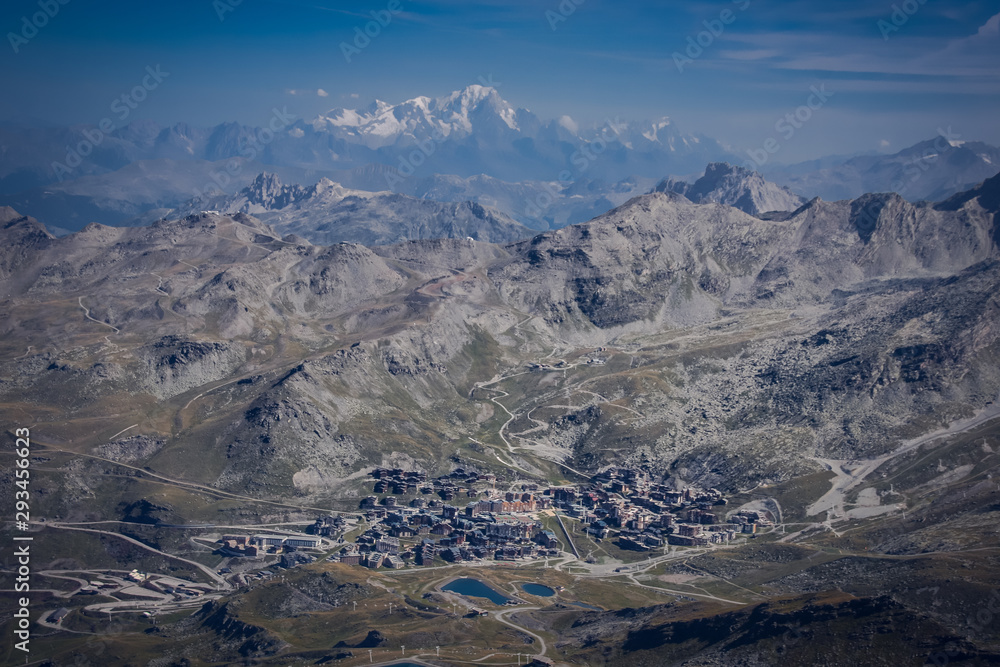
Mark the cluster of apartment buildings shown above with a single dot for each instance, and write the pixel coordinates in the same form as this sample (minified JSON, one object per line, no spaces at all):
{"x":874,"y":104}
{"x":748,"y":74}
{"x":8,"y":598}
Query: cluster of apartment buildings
{"x":620,"y":503}
{"x":626,"y":504}
{"x":490,"y":525}
{"x":257,"y":546}
{"x":402,"y":482}
{"x":445,"y":531}
{"x":328,"y":526}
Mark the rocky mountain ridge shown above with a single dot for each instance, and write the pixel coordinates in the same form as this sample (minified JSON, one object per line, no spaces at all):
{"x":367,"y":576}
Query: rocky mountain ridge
{"x":830,"y":326}
{"x":932,"y":170}
{"x":327,"y":213}
{"x":734,"y":186}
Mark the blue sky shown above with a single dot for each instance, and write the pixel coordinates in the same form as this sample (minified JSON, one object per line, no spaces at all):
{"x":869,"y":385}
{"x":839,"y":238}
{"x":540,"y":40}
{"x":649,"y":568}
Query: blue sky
{"x":933,"y":64}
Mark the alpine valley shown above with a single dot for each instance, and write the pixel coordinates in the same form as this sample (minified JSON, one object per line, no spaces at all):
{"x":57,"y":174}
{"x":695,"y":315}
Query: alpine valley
{"x":723,"y":422}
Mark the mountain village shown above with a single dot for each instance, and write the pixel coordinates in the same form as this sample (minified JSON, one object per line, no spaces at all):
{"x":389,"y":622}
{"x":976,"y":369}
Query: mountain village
{"x":623,"y":505}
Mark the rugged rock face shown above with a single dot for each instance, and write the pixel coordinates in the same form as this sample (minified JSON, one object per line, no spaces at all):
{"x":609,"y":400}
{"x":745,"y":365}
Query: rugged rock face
{"x":236,"y":637}
{"x":661,"y":258}
{"x":884,"y":355}
{"x":374,"y":639}
{"x":984,"y":197}
{"x":749,"y":345}
{"x":267,"y":193}
{"x":26,"y":235}
{"x":296,"y":420}
{"x":143,"y":511}
{"x":131,"y":449}
{"x":328,"y":213}
{"x":176,"y":365}
{"x":734,"y":186}
{"x":645,"y":261}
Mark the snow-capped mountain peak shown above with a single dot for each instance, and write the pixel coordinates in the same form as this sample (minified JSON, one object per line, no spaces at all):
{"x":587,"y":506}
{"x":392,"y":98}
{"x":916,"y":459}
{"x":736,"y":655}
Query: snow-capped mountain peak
{"x":653,"y":132}
{"x":454,"y":115}
{"x":462,"y":103}
{"x":468,"y":97}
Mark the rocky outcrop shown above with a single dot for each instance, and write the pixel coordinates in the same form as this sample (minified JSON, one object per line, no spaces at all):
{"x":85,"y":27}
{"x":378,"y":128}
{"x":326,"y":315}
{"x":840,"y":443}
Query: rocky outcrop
{"x":132,"y":449}
{"x":734,"y":186}
{"x":174,"y":365}
{"x":235,"y":636}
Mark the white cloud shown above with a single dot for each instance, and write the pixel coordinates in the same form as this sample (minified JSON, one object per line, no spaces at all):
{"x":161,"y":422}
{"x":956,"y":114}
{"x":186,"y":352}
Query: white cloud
{"x":964,"y":62}
{"x":984,"y":44}
{"x":300,"y":91}
{"x":569,"y":124}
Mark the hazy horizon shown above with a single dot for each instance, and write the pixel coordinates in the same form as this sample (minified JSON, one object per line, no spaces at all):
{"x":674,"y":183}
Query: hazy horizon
{"x":727,"y":70}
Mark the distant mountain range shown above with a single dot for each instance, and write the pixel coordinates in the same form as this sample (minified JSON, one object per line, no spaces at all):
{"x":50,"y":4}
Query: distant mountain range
{"x":475,"y":131}
{"x":328,"y":213}
{"x":931,"y":170}
{"x":470,"y":145}
{"x":469,"y":132}
{"x":537,"y":204}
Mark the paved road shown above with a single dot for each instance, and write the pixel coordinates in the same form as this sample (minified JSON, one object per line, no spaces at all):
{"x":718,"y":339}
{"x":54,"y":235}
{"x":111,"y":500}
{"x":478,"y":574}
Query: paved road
{"x":207,"y":570}
{"x":501,"y":616}
{"x":188,"y":485}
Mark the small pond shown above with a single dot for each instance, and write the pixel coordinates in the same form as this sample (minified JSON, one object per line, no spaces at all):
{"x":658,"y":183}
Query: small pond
{"x":586,"y":606}
{"x":538,"y":589}
{"x":475,"y":588}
